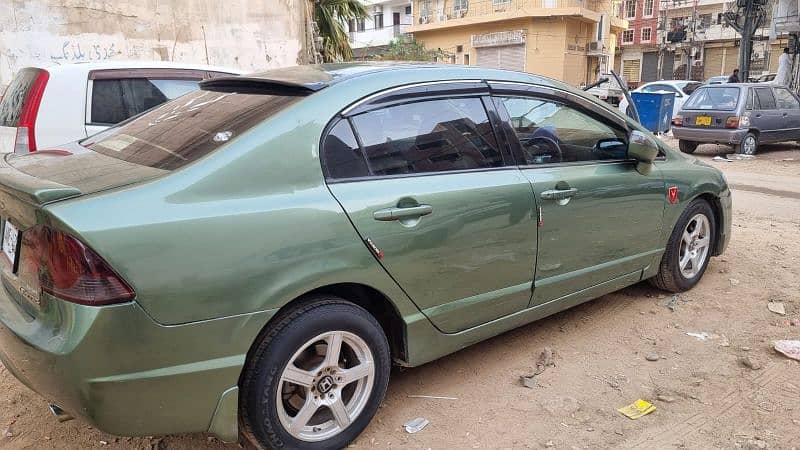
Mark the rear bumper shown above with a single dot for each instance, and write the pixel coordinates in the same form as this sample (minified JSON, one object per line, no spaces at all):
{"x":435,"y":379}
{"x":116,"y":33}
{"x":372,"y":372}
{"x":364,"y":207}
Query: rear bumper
{"x":716,"y":136}
{"x":124,"y":373}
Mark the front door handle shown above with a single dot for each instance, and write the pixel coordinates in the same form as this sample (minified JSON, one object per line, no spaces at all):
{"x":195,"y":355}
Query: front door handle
{"x":400,"y":213}
{"x":558,"y":194}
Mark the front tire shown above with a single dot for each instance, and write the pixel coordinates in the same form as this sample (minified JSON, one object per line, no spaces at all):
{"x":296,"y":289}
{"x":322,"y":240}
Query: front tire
{"x":748,"y":145}
{"x":316,"y":378}
{"x":688,"y":250}
{"x":687,"y":146}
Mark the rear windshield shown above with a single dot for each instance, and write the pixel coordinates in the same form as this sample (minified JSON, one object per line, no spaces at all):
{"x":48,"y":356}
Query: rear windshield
{"x":14,"y":98}
{"x":185,"y":129}
{"x":714,"y":98}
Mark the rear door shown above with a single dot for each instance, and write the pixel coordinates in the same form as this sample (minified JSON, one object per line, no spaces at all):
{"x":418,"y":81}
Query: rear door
{"x":766,"y":117}
{"x":598,"y":217}
{"x":117,"y":94}
{"x":430,"y":190}
{"x":789,"y":106}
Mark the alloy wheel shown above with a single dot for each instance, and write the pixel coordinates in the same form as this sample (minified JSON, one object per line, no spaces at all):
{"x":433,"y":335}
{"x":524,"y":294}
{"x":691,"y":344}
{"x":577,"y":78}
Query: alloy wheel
{"x":749,"y":145}
{"x":695,"y":244}
{"x":325,"y":386}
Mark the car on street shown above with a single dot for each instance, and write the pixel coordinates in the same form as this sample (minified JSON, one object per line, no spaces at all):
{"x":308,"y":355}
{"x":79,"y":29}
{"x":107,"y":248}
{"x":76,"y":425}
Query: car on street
{"x":681,"y":88}
{"x":610,"y":91}
{"x":720,"y":79}
{"x":766,"y":78}
{"x":741,"y":115}
{"x":49,"y":106}
{"x":250,"y":259}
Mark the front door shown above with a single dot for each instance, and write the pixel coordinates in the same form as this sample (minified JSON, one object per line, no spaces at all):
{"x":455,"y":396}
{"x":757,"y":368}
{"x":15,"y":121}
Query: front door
{"x":600,"y":219}
{"x":444,"y":214}
{"x":396,"y":19}
{"x":789,"y":106}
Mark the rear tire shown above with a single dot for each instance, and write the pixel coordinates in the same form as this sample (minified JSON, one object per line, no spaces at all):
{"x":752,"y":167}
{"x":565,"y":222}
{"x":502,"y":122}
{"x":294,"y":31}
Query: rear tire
{"x":687,"y":146}
{"x":316,"y":377}
{"x":748,"y":145}
{"x":688,"y":250}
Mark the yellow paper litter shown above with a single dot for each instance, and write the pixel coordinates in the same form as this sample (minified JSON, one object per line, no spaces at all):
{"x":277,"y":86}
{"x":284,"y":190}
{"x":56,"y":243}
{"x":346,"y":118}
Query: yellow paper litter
{"x":637,"y":409}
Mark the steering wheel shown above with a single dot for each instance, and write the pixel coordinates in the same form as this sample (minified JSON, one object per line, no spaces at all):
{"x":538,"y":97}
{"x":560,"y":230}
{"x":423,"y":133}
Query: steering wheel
{"x":538,"y":147}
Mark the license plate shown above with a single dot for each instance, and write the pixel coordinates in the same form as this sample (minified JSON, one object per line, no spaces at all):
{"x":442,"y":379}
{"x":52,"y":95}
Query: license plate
{"x":703,"y":120}
{"x":10,"y":242}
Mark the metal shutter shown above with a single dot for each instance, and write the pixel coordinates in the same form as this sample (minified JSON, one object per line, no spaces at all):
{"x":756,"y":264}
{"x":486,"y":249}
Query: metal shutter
{"x":667,"y":65}
{"x":712,"y":62}
{"x":509,"y":57}
{"x":650,"y":66}
{"x":630,"y":70}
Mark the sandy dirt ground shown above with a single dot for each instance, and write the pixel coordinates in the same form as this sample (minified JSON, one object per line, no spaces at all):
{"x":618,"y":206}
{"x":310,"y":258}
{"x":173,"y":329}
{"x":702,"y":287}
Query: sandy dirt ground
{"x":728,"y":391}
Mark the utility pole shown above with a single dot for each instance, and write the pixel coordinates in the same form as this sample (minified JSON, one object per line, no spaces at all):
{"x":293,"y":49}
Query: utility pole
{"x":746,"y":20}
{"x":692,"y":27}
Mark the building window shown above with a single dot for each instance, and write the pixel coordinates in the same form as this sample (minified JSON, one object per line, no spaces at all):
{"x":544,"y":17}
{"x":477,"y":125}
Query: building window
{"x":460,"y":5}
{"x":351,"y":25}
{"x":630,"y":9}
{"x":425,"y":8}
{"x":705,"y":20}
{"x":408,"y":10}
{"x":466,"y":59}
{"x":361,"y":25}
{"x":377,"y":19}
{"x":500,"y":2}
{"x":647,"y":34}
{"x":627,"y":37}
{"x":678,"y":23}
{"x":648,"y":8}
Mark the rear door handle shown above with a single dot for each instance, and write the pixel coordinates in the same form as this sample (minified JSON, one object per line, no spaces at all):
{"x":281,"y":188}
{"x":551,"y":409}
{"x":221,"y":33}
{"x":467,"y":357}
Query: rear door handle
{"x":398,"y":213}
{"x":558,"y":194}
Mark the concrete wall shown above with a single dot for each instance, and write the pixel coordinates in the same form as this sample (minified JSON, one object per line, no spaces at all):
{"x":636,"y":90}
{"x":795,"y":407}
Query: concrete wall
{"x":244,"y":34}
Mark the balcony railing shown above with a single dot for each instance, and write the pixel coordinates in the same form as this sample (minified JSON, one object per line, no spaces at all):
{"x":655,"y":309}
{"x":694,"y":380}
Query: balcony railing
{"x":427,"y":12}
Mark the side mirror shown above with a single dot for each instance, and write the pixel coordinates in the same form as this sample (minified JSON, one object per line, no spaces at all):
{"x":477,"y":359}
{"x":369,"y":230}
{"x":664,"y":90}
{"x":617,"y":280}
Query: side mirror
{"x":643,"y":149}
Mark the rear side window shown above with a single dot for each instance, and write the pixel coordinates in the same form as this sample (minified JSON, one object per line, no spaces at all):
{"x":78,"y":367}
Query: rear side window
{"x":428,"y":136}
{"x":714,"y":98}
{"x":764,"y":98}
{"x":14,"y":97}
{"x":785,"y":99}
{"x":343,"y":158}
{"x":114,"y":100}
{"x":183,"y":130}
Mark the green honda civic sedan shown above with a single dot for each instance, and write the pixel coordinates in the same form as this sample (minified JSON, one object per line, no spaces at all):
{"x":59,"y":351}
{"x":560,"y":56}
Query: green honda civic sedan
{"x":250,"y":259}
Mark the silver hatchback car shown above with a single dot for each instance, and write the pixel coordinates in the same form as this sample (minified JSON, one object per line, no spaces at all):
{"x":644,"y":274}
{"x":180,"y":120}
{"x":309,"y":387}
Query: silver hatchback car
{"x":738,"y":114}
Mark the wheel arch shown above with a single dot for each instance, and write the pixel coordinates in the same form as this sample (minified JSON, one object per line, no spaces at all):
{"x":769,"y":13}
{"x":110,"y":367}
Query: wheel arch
{"x":716,"y":206}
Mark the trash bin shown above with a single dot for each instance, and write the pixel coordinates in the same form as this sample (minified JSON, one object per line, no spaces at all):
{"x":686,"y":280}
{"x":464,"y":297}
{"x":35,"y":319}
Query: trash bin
{"x":655,"y":109}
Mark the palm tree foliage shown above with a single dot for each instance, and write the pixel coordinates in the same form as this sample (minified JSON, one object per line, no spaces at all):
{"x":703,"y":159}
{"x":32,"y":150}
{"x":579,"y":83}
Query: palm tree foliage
{"x":331,"y":15}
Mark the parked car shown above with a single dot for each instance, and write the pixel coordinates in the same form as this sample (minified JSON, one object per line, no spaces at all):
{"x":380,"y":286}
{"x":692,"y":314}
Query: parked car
{"x":722,"y":79}
{"x":252,"y":257}
{"x":681,"y":88}
{"x":738,"y":114}
{"x":610,"y":91}
{"x":48,"y":106}
{"x":767,"y":77}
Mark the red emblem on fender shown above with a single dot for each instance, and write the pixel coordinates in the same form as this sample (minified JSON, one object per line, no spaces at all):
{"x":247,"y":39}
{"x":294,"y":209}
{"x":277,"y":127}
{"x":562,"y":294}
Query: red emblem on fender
{"x":672,"y":194}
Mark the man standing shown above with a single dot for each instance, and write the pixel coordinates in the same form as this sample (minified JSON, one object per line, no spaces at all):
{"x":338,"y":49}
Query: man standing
{"x":735,"y":77}
{"x":784,"y":75}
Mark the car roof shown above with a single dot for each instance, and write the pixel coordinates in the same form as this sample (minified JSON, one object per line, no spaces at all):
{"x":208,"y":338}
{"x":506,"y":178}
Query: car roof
{"x":87,"y":67}
{"x":316,"y":77}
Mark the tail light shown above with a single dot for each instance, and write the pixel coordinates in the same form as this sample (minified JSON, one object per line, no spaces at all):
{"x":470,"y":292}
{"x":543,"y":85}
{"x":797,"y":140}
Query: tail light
{"x":737,"y":121}
{"x":26,"y":140}
{"x":55,"y":262}
{"x":677,"y":121}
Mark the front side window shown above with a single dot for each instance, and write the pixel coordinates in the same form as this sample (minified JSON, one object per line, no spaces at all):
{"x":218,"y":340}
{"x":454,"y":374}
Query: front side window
{"x":428,"y":136}
{"x":714,"y":98}
{"x":764,"y":98}
{"x":551,"y":132}
{"x":114,"y":100}
{"x":785,"y":99}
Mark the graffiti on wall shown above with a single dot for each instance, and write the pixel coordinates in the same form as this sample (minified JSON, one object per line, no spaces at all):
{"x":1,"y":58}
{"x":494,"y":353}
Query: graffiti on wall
{"x":72,"y":51}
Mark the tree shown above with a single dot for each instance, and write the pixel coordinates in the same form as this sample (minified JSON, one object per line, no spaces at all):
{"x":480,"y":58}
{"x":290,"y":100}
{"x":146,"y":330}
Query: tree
{"x":331,"y":15}
{"x":407,"y":49}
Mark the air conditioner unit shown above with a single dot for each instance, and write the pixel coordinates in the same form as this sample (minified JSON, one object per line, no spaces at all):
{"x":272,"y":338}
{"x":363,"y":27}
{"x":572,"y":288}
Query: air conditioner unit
{"x":596,"y":46}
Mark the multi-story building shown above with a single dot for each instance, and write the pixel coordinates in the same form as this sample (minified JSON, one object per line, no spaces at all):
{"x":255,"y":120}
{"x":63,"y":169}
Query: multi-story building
{"x":638,"y":56}
{"x":570,"y":40}
{"x":388,"y":19}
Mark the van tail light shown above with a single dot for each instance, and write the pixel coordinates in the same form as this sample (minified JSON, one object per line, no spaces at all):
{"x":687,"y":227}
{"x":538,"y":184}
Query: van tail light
{"x":26,"y":139}
{"x":55,"y":262}
{"x":737,"y":121}
{"x":677,"y":121}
